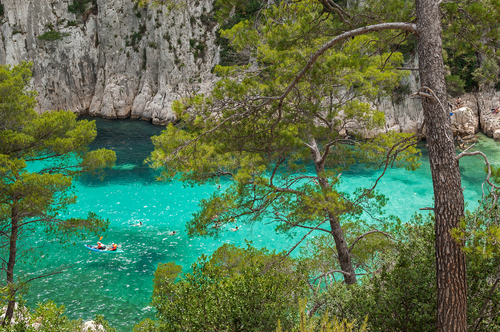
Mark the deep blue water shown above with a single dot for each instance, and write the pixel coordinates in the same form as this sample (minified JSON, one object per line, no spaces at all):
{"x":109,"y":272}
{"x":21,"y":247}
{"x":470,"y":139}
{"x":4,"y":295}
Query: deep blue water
{"x":119,"y":286}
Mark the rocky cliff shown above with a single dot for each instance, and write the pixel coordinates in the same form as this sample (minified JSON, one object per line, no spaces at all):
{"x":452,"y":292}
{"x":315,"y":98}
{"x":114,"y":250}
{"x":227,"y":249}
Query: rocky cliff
{"x":113,"y":59}
{"x":116,"y":60}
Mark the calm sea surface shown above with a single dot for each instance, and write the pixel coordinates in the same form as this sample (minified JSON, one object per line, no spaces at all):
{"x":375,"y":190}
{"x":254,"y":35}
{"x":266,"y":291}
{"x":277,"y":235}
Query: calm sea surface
{"x":119,"y":286}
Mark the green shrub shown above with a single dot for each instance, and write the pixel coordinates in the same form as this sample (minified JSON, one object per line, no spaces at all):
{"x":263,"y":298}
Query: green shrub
{"x":462,"y":62}
{"x":487,"y":73}
{"x":48,"y":317}
{"x":78,"y":6}
{"x":234,"y":290}
{"x":455,"y":86}
{"x":52,"y":35}
{"x":71,"y":24}
{"x":244,"y":11}
{"x":323,"y":324}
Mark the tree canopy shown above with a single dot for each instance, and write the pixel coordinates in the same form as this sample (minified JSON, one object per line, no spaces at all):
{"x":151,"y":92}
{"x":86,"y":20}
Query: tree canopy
{"x":234,"y":290}
{"x":285,"y":156}
{"x":40,"y":154}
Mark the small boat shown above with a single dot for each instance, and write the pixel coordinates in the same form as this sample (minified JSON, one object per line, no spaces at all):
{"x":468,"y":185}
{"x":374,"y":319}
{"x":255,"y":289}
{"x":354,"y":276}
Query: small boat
{"x":94,"y":248}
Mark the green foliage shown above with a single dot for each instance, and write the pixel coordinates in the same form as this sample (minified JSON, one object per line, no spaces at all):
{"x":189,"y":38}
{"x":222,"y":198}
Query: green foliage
{"x":72,"y":23}
{"x":52,"y":35}
{"x":400,"y":92}
{"x":229,"y":14}
{"x":479,"y":232}
{"x":236,"y":289}
{"x":323,"y":324}
{"x":78,"y":7}
{"x":455,"y":86}
{"x":54,"y":145}
{"x":486,"y":74}
{"x":48,"y":317}
{"x":465,"y":35}
{"x":399,"y":291}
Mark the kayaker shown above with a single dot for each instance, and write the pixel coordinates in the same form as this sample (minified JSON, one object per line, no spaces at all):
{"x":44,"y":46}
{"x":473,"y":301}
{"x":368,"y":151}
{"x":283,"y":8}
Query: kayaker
{"x":114,"y":246}
{"x":100,"y":246}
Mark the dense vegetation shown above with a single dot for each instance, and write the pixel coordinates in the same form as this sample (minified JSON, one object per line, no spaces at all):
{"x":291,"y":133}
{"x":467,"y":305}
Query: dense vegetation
{"x":79,"y":7}
{"x":31,"y":200}
{"x":252,"y":290}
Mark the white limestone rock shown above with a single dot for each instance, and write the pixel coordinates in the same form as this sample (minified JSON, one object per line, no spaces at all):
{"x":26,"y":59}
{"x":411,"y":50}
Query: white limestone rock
{"x":121,"y":62}
{"x":464,"y":120}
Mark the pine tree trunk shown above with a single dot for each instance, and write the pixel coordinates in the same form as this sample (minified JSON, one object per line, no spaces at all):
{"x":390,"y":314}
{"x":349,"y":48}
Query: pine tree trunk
{"x":343,"y":252}
{"x":10,"y":268}
{"x":448,"y":196}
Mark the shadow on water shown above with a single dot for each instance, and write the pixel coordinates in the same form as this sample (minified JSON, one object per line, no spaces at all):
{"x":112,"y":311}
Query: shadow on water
{"x":131,"y":140}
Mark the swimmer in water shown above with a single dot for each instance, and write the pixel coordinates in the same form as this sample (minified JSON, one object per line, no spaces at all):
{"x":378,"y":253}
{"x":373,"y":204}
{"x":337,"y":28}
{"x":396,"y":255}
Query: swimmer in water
{"x":172,"y":233}
{"x":137,"y":225}
{"x":235,"y":229}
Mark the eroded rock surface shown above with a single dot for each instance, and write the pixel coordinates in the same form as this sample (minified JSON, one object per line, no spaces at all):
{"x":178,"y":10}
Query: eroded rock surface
{"x":117,"y":60}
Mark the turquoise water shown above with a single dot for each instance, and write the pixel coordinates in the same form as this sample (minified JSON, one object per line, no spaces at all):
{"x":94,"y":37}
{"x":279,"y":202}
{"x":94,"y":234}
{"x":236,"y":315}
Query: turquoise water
{"x":119,"y":286}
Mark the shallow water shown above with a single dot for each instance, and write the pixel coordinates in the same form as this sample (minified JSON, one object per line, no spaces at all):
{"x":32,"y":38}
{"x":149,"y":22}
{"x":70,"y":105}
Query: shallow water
{"x":119,"y":286}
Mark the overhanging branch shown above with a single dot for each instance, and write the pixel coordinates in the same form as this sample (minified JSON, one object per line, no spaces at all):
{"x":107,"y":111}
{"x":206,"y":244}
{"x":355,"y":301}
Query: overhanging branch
{"x":368,"y":233}
{"x":410,"y":27}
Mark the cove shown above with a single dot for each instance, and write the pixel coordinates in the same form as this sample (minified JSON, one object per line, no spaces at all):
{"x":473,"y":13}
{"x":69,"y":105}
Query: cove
{"x":120,"y":286}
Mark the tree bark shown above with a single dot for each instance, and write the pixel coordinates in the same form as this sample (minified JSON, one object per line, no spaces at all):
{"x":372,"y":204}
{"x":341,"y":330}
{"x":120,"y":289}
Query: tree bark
{"x":338,"y":234}
{"x":10,"y":267}
{"x":448,"y":195}
{"x":342,"y":250}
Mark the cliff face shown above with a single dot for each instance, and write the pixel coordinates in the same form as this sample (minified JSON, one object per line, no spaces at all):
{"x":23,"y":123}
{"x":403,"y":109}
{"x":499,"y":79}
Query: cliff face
{"x":114,"y":60}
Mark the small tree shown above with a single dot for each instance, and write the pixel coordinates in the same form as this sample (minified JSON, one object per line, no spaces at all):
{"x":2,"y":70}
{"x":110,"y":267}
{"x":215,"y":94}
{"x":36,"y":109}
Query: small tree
{"x":234,"y":290}
{"x":39,"y":157}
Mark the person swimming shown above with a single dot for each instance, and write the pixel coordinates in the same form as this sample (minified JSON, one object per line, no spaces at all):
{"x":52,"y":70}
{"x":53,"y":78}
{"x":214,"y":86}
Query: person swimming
{"x":235,"y":229}
{"x":172,"y":233}
{"x":139,"y":224}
